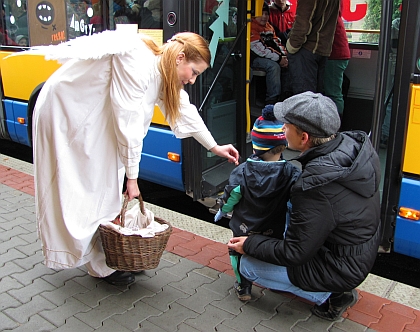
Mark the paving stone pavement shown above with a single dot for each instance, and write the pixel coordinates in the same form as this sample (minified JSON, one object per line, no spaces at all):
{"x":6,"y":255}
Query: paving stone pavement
{"x":191,"y":290}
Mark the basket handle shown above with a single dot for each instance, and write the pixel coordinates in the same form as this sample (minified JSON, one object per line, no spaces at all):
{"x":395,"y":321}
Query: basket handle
{"x":124,"y":208}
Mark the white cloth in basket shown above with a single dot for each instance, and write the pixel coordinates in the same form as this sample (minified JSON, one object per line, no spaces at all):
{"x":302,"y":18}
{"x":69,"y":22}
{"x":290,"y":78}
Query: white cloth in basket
{"x":136,"y":223}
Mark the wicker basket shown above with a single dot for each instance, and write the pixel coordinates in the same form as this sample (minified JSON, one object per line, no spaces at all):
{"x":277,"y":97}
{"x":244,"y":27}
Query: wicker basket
{"x":133,"y":252}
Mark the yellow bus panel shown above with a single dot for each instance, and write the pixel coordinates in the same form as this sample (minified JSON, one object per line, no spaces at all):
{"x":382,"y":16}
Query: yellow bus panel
{"x":412,"y":147}
{"x":22,"y":72}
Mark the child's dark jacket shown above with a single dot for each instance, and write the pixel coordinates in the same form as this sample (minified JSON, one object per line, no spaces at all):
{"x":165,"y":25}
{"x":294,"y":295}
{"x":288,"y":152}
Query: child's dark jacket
{"x":258,"y":192}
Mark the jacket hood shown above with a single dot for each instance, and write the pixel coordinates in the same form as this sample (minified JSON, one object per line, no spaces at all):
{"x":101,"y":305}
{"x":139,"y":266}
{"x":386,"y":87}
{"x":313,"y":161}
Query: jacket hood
{"x":349,"y":160}
{"x":267,"y":179}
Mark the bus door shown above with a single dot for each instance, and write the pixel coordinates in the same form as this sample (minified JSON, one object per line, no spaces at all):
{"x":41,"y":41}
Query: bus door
{"x":219,"y":93}
{"x":400,"y":202}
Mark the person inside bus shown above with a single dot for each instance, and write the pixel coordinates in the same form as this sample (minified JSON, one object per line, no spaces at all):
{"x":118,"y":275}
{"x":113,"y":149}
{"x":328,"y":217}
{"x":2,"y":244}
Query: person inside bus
{"x":336,"y":65}
{"x":281,"y":18}
{"x":268,"y":54}
{"x":258,"y":191}
{"x":90,"y":120}
{"x":331,"y":243}
{"x":310,"y":42}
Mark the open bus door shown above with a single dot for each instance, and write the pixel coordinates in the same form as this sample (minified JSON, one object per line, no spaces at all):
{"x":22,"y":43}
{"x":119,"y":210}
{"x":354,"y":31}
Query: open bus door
{"x":402,"y":173}
{"x":219,"y":93}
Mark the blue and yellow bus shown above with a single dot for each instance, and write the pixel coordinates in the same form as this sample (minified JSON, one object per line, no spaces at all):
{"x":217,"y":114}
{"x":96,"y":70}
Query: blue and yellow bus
{"x":383,"y":76}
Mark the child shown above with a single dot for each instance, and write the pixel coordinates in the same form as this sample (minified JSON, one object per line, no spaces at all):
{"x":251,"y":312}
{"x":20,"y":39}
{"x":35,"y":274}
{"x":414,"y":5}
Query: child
{"x":258,"y":190}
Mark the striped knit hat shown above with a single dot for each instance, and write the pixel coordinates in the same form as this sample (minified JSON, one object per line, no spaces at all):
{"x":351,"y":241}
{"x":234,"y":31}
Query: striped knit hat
{"x":267,"y":132}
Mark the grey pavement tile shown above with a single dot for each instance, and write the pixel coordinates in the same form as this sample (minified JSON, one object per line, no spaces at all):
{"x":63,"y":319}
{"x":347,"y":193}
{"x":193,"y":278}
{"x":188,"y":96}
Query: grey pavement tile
{"x":285,"y":318}
{"x":269,"y":301}
{"x":110,"y":325}
{"x":199,"y":301}
{"x":170,"y":257}
{"x":221,"y":285}
{"x":224,"y":328}
{"x":247,"y":319}
{"x":186,"y":328}
{"x":11,"y":233}
{"x":158,"y":281}
{"x":191,"y":283}
{"x":163,"y":299}
{"x":208,"y":320}
{"x":6,"y":323}
{"x":31,"y":226}
{"x":171,"y":318}
{"x":314,"y":323}
{"x":19,"y":200}
{"x":11,"y":244}
{"x":88,"y":281}
{"x":62,"y":276}
{"x":261,"y":328}
{"x":25,"y":294}
{"x":30,"y":248}
{"x":230,"y":303}
{"x":22,"y":313}
{"x":147,"y":326}
{"x":31,"y":236}
{"x":8,"y":301}
{"x":28,"y":276}
{"x":58,"y":296}
{"x":183,"y":267}
{"x":35,"y":324}
{"x":73,"y":324}
{"x":7,"y":283}
{"x":134,"y":294}
{"x":348,"y":326}
{"x":8,"y":269}
{"x":208,"y":272}
{"x":134,"y":317}
{"x":69,"y":308}
{"x":19,"y":221}
{"x":29,"y":262}
{"x":97,"y":315}
{"x":11,"y":255}
{"x":97,"y":294}
{"x":16,"y":213}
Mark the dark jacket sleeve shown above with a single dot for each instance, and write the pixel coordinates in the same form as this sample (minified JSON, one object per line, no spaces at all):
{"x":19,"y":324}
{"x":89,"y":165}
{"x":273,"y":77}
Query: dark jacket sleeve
{"x":307,"y":232}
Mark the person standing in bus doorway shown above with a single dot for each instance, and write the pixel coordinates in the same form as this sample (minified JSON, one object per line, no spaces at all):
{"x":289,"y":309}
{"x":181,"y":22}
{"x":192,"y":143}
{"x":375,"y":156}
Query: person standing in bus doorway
{"x":281,"y":18}
{"x":310,"y":42}
{"x":258,"y":191}
{"x":268,"y":54}
{"x":336,"y":65}
{"x":90,"y":120}
{"x":332,"y":240}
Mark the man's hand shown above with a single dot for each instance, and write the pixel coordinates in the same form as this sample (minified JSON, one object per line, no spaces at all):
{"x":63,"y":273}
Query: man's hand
{"x":237,"y":244}
{"x":219,"y":215}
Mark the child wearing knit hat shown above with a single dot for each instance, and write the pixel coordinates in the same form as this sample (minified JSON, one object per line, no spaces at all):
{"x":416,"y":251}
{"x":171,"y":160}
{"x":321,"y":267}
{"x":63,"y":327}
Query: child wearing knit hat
{"x":258,"y":190}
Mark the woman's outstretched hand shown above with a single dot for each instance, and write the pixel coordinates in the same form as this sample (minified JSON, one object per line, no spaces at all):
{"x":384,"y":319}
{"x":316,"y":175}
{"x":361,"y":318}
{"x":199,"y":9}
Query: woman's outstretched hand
{"x":227,"y":151}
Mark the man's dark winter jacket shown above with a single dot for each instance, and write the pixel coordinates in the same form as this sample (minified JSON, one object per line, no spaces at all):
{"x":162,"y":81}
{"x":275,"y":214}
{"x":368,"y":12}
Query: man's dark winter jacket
{"x":257,"y":194}
{"x":333,"y":237}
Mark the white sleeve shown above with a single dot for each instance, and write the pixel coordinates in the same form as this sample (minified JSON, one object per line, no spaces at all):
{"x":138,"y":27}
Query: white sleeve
{"x":190,"y":123}
{"x":130,"y":79}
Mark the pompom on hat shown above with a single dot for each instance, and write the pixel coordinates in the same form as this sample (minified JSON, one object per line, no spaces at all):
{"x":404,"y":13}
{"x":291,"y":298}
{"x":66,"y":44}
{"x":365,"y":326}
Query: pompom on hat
{"x":267,"y":132}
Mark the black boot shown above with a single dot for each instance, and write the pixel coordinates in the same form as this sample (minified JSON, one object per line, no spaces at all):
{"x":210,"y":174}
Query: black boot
{"x":334,"y":307}
{"x":243,"y":290}
{"x":120,"y":278}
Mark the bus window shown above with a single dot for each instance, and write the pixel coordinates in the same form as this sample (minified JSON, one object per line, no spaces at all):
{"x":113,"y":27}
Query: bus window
{"x":8,"y":26}
{"x":146,"y":14}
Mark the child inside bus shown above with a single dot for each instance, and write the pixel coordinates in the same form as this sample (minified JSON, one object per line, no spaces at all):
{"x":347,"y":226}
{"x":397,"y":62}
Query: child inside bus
{"x":258,"y":191}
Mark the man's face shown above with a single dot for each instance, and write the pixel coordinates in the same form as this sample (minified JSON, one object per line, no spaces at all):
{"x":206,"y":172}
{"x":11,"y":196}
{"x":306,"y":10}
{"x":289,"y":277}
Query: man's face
{"x":262,"y":20}
{"x":294,"y":139}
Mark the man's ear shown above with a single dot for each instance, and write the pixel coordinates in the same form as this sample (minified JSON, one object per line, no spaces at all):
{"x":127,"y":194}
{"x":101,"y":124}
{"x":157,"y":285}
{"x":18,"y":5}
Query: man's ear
{"x":304,"y":139}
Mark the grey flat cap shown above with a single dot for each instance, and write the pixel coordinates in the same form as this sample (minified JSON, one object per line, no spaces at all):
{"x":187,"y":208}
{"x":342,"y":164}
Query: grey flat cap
{"x":312,"y":112}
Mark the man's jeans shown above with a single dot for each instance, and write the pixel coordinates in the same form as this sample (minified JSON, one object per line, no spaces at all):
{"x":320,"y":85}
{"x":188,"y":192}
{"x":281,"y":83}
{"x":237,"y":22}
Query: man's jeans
{"x":306,"y":71}
{"x":275,"y":277}
{"x":272,"y":78}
